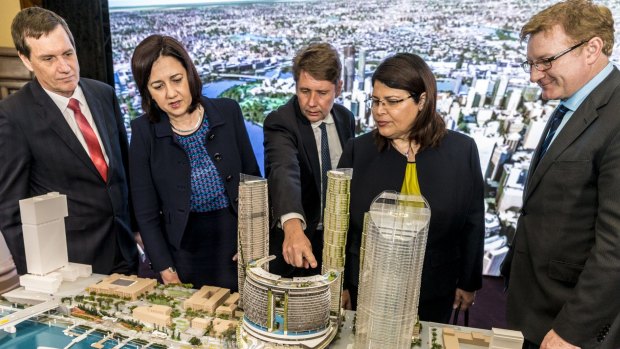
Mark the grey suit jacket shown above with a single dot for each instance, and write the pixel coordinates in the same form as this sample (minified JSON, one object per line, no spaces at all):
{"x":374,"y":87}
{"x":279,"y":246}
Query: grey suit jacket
{"x":39,"y":153}
{"x":565,"y":271}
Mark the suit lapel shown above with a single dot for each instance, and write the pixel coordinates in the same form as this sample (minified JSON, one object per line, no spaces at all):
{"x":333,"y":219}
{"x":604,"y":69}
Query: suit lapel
{"x":53,"y":116}
{"x":309,"y":143}
{"x":579,"y":122}
{"x":581,"y":119}
{"x":341,"y":126}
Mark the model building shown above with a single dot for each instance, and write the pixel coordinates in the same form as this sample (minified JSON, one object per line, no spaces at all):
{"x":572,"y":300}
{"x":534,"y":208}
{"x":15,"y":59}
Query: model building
{"x":282,"y":312}
{"x":391,"y":260}
{"x":45,"y":244}
{"x":253,"y":223}
{"x":335,"y":228}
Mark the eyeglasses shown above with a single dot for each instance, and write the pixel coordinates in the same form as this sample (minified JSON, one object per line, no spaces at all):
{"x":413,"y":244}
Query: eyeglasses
{"x":388,"y":103}
{"x":545,"y":63}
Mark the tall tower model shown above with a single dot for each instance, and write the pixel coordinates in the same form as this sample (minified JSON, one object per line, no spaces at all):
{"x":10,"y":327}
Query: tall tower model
{"x":335,"y":227}
{"x":43,"y":224}
{"x":253,"y":224}
{"x":391,"y":261}
{"x":45,"y":244}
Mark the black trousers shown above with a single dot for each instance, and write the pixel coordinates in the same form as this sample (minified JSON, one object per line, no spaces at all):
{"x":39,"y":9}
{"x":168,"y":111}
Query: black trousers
{"x":208,"y":246}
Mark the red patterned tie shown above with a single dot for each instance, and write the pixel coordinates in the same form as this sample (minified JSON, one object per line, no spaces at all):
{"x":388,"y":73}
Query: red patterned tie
{"x":94,"y":149}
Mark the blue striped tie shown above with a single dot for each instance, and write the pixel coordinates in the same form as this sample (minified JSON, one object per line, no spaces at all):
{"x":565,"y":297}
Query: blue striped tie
{"x":326,"y":162}
{"x":556,"y":120}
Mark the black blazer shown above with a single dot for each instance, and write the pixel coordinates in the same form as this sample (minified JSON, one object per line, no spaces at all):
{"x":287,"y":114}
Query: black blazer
{"x":160,"y":173}
{"x":566,"y":265}
{"x":292,"y":167}
{"x":451,"y":181}
{"x":40,"y":153}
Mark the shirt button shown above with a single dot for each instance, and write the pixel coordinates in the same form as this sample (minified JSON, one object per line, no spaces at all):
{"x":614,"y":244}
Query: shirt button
{"x":229,"y":178}
{"x":211,"y":137}
{"x":217,"y":156}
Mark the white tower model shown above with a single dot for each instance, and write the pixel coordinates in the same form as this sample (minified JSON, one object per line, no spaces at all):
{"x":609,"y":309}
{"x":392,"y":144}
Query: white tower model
{"x":45,"y":240}
{"x":391,"y":261}
{"x":45,"y":243}
{"x":253,"y":225}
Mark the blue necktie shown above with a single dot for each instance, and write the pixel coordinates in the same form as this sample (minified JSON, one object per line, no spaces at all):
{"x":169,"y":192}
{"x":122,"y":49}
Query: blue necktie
{"x":556,"y":120}
{"x":326,"y":162}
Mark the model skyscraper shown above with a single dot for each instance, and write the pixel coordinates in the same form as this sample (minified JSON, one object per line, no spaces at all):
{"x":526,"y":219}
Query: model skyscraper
{"x":391,"y":261}
{"x":335,"y":228}
{"x":45,"y":244}
{"x":253,"y":224}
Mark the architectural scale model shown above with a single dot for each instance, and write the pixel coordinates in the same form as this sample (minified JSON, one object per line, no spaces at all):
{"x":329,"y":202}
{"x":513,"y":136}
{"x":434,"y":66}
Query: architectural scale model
{"x":391,"y":260}
{"x":290,"y":313}
{"x":455,"y":337}
{"x":335,"y":228}
{"x":138,"y":312}
{"x":123,"y":286}
{"x":45,"y":244}
{"x":286,"y":313}
{"x":253,"y":223}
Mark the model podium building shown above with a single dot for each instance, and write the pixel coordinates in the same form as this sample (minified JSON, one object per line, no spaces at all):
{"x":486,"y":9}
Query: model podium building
{"x":45,"y":244}
{"x":286,"y":313}
{"x":391,"y":260}
{"x":253,"y":224}
{"x":335,"y":228}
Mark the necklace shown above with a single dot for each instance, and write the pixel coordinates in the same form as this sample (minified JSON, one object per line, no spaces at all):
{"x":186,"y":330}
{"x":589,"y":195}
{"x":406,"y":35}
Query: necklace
{"x":198,"y":122}
{"x":406,"y":152}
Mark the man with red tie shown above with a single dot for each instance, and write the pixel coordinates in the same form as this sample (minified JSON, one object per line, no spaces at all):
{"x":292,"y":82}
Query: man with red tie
{"x":65,"y":134}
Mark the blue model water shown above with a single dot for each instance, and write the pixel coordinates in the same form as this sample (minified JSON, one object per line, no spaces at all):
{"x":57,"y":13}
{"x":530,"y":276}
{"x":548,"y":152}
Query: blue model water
{"x":31,"y":335}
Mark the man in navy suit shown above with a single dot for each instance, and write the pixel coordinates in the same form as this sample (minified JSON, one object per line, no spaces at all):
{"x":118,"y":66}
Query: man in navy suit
{"x":293,"y":159}
{"x":65,"y":134}
{"x":565,"y":275}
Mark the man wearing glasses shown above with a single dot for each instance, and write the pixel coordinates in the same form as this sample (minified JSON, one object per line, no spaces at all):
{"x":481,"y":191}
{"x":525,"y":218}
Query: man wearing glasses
{"x":565,"y":273}
{"x":303,"y":139}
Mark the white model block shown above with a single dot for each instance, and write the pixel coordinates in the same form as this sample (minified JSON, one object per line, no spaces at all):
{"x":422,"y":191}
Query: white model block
{"x":43,"y":208}
{"x":506,"y":339}
{"x":46,"y":246}
{"x":72,"y":271}
{"x":49,"y":283}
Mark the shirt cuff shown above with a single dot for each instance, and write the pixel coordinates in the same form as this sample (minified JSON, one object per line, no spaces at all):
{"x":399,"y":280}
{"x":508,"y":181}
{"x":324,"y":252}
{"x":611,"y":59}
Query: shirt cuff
{"x":292,"y":215}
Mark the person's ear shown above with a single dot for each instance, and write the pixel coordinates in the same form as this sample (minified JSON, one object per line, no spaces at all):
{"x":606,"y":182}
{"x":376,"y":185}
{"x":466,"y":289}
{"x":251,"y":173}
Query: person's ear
{"x":338,"y":88}
{"x":594,"y":49}
{"x":422,"y":101}
{"x":26,"y":61}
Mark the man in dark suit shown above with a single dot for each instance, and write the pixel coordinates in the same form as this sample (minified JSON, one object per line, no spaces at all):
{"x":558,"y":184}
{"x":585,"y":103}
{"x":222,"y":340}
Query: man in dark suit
{"x":565,"y":274}
{"x":298,"y":136}
{"x":65,"y":134}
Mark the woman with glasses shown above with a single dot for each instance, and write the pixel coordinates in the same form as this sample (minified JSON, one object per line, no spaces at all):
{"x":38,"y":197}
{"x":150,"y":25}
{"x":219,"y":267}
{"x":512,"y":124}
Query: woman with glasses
{"x":185,"y":157}
{"x":411,"y":152}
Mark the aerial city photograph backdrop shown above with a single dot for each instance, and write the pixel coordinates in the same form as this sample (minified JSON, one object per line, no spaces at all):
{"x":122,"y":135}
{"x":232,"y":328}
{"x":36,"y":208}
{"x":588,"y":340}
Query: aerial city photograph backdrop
{"x":244,"y":49}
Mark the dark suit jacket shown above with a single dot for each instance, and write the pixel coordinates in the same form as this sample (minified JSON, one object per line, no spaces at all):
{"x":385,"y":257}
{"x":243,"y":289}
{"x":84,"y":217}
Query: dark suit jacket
{"x":566,"y":267}
{"x":293,"y":170}
{"x":160,"y":173}
{"x":39,"y":153}
{"x":451,"y":181}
